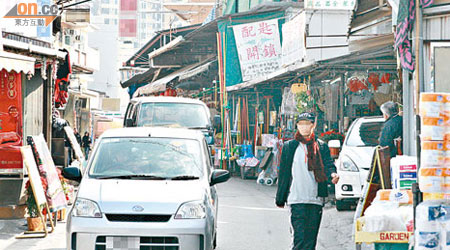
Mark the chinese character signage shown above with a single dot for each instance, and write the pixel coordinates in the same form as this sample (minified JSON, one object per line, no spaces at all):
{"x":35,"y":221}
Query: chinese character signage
{"x":294,"y":40}
{"x":259,"y":48}
{"x":330,"y":4}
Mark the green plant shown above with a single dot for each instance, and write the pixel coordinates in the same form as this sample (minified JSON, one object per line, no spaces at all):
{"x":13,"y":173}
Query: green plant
{"x":305,"y":103}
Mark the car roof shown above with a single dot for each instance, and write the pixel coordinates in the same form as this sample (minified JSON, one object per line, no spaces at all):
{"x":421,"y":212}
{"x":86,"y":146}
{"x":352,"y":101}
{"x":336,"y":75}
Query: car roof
{"x":160,"y":132}
{"x":371,"y":119}
{"x":167,"y":99}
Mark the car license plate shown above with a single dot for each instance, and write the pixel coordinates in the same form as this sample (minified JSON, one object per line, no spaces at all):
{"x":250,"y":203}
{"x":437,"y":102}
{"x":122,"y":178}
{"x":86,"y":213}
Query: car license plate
{"x":122,"y":243}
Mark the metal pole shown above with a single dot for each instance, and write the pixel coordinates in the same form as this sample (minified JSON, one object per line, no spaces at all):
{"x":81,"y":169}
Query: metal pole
{"x":409,"y":118}
{"x":341,"y":103}
{"x":419,"y":54}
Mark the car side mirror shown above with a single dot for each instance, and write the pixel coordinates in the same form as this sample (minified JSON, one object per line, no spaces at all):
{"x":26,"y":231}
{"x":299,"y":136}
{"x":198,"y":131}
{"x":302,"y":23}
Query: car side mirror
{"x":217,"y":122}
{"x":334,"y":144}
{"x":129,"y":122}
{"x":72,"y":173}
{"x":219,"y":176}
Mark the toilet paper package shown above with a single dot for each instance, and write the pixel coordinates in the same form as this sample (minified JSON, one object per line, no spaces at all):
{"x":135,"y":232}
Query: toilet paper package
{"x":432,"y":225}
{"x":433,"y":153}
{"x":434,"y":129}
{"x":433,"y":104}
{"x":432,"y":179}
{"x":403,"y":172}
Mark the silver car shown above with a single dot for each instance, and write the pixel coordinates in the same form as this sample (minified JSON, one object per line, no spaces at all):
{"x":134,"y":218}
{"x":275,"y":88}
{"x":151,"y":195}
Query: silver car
{"x":148,"y":189}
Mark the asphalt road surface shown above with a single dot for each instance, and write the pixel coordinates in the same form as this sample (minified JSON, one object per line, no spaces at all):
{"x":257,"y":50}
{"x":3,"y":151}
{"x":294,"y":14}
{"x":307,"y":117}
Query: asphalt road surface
{"x":248,"y":220}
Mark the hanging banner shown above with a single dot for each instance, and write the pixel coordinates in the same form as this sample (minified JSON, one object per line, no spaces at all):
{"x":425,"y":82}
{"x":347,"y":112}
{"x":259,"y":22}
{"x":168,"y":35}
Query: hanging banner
{"x":330,"y":4}
{"x":259,"y":48}
{"x":294,"y":40}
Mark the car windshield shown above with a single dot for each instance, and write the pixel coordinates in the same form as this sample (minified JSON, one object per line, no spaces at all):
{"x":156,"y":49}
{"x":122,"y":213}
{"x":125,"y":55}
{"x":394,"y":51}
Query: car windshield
{"x":173,"y":114}
{"x":152,"y":157}
{"x":364,"y":134}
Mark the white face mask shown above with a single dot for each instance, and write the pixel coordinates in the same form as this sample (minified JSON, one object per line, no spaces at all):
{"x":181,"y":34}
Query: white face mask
{"x":305,"y":129}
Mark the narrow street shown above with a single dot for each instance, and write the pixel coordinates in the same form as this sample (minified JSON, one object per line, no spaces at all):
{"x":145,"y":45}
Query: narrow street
{"x":248,"y":219}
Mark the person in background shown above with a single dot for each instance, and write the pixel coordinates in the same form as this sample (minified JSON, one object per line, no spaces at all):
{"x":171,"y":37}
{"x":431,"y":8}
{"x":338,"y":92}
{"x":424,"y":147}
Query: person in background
{"x":77,"y":136}
{"x":87,"y":144}
{"x":305,"y":167}
{"x":392,"y":128}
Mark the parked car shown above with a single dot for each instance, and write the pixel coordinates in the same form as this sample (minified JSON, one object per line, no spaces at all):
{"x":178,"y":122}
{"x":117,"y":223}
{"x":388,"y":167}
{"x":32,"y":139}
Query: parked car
{"x":355,"y":158}
{"x":146,"y":188}
{"x":170,"y":112}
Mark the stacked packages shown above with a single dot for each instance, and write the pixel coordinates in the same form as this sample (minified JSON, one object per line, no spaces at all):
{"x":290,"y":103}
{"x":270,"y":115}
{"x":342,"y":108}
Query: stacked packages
{"x":434,"y":174}
{"x":391,"y":211}
{"x":433,"y":215}
{"x":433,"y":226}
{"x":403,"y":172}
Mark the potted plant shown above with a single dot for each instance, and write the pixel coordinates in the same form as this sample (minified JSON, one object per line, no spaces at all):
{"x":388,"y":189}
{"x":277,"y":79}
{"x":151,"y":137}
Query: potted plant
{"x":33,"y":220}
{"x":332,"y":135}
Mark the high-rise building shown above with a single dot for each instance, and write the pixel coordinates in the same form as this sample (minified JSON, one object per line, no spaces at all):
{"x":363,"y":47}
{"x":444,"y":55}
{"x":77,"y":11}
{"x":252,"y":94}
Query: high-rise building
{"x":124,"y":26}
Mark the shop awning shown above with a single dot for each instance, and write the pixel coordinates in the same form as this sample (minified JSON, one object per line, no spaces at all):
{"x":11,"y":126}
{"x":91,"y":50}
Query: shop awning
{"x":380,"y":58}
{"x":18,"y":63}
{"x":145,"y":77}
{"x":184,"y":73}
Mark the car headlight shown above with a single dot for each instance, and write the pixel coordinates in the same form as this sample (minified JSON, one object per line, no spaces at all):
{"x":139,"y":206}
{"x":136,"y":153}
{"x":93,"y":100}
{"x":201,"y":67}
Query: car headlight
{"x":191,"y":210}
{"x":348,"y":165}
{"x":86,"y":208}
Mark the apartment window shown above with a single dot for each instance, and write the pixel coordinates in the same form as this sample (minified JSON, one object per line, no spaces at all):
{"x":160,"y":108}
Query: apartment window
{"x":105,"y":1}
{"x":144,"y":5}
{"x":106,"y":20}
{"x":115,"y":21}
{"x":116,"y":1}
{"x":115,"y":11}
{"x":143,"y":15}
{"x":105,"y":11}
{"x":144,"y":25}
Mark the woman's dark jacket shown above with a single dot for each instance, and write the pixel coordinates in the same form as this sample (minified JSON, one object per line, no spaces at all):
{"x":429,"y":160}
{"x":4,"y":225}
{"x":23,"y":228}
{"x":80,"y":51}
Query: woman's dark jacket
{"x":285,"y":175}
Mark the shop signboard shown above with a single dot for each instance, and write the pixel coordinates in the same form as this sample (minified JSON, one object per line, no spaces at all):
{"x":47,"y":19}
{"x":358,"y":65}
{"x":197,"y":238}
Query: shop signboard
{"x":330,"y":4}
{"x":10,"y":121}
{"x":259,"y":48}
{"x":56,"y":198}
{"x":294,"y":40}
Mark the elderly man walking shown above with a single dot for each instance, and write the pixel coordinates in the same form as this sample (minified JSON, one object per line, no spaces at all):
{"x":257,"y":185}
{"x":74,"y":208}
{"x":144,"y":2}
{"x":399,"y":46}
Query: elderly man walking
{"x":392,"y":128}
{"x":305,"y":167}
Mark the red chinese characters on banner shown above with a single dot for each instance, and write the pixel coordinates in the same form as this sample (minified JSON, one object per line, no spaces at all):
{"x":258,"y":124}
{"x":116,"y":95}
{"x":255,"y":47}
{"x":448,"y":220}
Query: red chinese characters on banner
{"x":10,"y":120}
{"x":269,"y":50}
{"x":259,"y":49}
{"x":252,"y":53}
{"x":264,"y":28}
{"x":247,"y":31}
